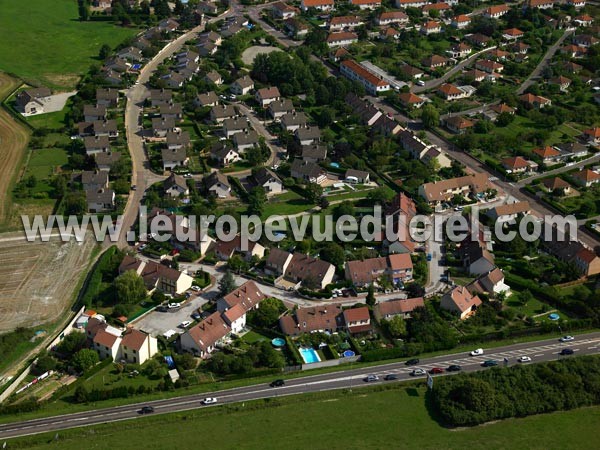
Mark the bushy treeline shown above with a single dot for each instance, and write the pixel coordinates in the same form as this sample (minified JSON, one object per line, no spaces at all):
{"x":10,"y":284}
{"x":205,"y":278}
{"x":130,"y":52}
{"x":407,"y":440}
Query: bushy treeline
{"x":471,"y":399}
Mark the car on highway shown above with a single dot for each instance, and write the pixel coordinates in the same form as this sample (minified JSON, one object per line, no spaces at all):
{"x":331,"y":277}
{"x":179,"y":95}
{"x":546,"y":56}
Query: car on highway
{"x":418,"y":372}
{"x":567,"y":339}
{"x":174,"y":305}
{"x":435,"y":370}
{"x":185,"y":324}
{"x":412,"y":362}
{"x":146,"y":410}
{"x":477,"y":352}
{"x":390,"y":377}
{"x":277,"y":383}
{"x":370,"y":378}
{"x":489,"y":363}
{"x":209,"y":401}
{"x":454,"y":368}
{"x":524,"y":359}
{"x":566,"y":351}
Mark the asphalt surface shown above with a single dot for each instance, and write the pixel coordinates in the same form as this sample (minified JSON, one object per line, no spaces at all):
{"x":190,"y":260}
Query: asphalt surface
{"x":545,"y":350}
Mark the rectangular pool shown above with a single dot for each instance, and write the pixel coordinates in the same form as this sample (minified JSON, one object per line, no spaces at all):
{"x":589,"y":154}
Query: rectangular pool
{"x":309,"y":355}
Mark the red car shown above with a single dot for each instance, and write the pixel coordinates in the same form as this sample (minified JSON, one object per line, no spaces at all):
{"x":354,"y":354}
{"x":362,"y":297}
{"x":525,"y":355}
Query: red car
{"x":436,"y":370}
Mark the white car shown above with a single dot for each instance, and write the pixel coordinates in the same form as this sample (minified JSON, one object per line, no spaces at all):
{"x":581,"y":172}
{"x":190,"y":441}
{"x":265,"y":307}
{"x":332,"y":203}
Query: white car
{"x":209,"y":401}
{"x":174,"y":305}
{"x":477,"y":352}
{"x":196,"y":288}
{"x":185,"y":324}
{"x":417,"y":372}
{"x":524,"y":359}
{"x":420,"y":83}
{"x":566,"y":339}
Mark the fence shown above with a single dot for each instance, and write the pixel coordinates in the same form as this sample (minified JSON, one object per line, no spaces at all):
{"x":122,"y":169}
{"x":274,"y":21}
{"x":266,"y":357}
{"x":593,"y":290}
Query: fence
{"x":331,"y":363}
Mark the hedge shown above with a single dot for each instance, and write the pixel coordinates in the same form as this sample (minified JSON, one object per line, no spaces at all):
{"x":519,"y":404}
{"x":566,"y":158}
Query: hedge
{"x":60,"y":392}
{"x":293,"y":351}
{"x":94,"y":281}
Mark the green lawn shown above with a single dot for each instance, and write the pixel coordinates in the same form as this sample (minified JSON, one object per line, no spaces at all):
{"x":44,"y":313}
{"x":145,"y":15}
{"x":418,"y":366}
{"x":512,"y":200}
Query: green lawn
{"x":53,"y":121}
{"x":285,"y":204}
{"x":43,"y":41}
{"x":251,"y":337}
{"x":363,"y":419}
{"x":44,"y":162}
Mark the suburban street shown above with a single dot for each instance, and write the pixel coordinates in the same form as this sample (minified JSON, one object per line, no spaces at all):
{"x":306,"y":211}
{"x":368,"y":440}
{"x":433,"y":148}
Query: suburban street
{"x":538,"y":351}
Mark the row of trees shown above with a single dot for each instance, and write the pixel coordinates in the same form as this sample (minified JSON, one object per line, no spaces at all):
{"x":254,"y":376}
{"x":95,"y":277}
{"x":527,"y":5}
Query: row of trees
{"x":519,"y":391}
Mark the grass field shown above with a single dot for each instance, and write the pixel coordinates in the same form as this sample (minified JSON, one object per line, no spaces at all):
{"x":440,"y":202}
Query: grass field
{"x":44,"y":163}
{"x":14,"y":138}
{"x":43,"y":42}
{"x":360,"y":420}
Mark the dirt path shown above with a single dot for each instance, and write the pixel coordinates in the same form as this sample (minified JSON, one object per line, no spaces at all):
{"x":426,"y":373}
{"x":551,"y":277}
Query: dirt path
{"x":13,"y":143}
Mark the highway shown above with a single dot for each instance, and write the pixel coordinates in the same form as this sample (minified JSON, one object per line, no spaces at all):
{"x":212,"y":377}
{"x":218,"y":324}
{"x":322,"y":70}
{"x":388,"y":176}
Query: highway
{"x":544,"y":350}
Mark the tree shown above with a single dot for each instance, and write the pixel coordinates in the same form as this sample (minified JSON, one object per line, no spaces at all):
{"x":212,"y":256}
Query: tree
{"x":268,"y":313}
{"x":227,"y":283}
{"x":430,"y":116}
{"x":380,"y":195}
{"x":256,"y":200}
{"x":71,"y":344}
{"x":45,"y":363}
{"x":313,"y":192}
{"x":81,"y":394}
{"x":371,"y":296}
{"x":84,"y":359}
{"x":333,"y":253}
{"x":396,"y":326}
{"x":236,"y":263}
{"x":130,"y":287}
{"x":343,"y":209}
{"x":105,"y":51}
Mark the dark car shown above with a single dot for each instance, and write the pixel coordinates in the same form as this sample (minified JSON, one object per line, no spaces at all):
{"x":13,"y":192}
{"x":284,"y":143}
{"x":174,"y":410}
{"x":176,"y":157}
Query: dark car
{"x":277,"y":383}
{"x":390,"y":377}
{"x":412,"y":362}
{"x":566,"y":351}
{"x":436,"y":370}
{"x":454,"y":368}
{"x":489,"y":363}
{"x":146,"y":410}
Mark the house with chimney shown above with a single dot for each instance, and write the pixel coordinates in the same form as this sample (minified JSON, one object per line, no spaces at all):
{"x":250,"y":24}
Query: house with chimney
{"x":402,"y":307}
{"x":461,"y":302}
{"x":491,"y":283}
{"x":397,"y":268}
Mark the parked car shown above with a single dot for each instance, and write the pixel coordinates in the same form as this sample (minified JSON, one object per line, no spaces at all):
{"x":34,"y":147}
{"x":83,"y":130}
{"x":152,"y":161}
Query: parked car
{"x":196,"y":288}
{"x":566,"y":339}
{"x":454,"y":368}
{"x":489,"y":363}
{"x":209,"y":401}
{"x":418,"y":372}
{"x":566,"y":351}
{"x":412,"y":362}
{"x":429,"y":256}
{"x":390,"y":377}
{"x":174,"y":305}
{"x":524,"y":359}
{"x":371,"y":378}
{"x":196,"y":316}
{"x":277,"y":383}
{"x":435,"y":370}
{"x":185,"y":324}
{"x":146,"y":410}
{"x":477,"y":352}
{"x":420,"y":83}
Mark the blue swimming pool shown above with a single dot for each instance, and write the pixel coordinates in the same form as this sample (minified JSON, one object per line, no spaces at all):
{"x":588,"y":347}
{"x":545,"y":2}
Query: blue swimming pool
{"x":309,"y":355}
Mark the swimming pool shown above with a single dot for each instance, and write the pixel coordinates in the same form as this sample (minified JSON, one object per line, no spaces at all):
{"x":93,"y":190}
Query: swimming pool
{"x":309,"y":355}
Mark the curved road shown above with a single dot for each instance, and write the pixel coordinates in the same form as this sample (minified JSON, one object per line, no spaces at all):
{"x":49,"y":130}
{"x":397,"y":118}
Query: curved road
{"x":539,"y":351}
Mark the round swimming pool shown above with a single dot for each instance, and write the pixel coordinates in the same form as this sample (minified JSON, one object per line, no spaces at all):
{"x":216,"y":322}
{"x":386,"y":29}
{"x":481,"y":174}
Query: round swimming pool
{"x":348,"y":353}
{"x":278,"y":342}
{"x":553,"y":316}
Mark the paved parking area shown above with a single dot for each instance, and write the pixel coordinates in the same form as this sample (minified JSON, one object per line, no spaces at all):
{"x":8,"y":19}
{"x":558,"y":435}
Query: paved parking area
{"x":157,"y":323}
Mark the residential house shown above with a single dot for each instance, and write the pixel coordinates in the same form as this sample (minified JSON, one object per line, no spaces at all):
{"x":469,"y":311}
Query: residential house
{"x":308,"y":171}
{"x":280,"y":107}
{"x":206,"y":7}
{"x":224,"y":250}
{"x":584,"y":20}
{"x":175,"y":186}
{"x":245,"y":140}
{"x":491,"y":283}
{"x":96,"y":144}
{"x":235,"y":125}
{"x":293,"y":121}
{"x":268,"y":180}
{"x":475,"y":257}
{"x":410,"y":100}
{"x":92,"y":113}
{"x":512,"y":34}
{"x":106,"y":160}
{"x":341,"y":38}
{"x":296,"y":28}
{"x":431,"y":27}
{"x":563,"y":83}
{"x":107,"y":97}
{"x":443,"y":191}
{"x":161,"y":126}
{"x":341,"y":23}
{"x":450,"y":92}
{"x":177,"y":140}
{"x":308,"y":135}
{"x":137,"y":347}
{"x":107,"y":344}
{"x":282,"y":11}
{"x":224,"y":155}
{"x":489,"y":66}
{"x":460,"y":50}
{"x":366,"y":4}
{"x":517,"y":164}
{"x":100,"y":200}
{"x":171,"y":111}
{"x":534,"y":101}
{"x":172,"y":158}
{"x":587,"y":262}
{"x":402,"y":307}
{"x":206,"y":99}
{"x":458,"y":124}
{"x":132,"y":54}
{"x":441,"y":7}
{"x":94,"y":180}
{"x":585,"y":40}
{"x":217,"y":184}
{"x":576,"y":3}
{"x":366,"y":112}
{"x":160,"y":97}
{"x":321,"y":5}
{"x":219,"y":113}
{"x":509,"y":212}
{"x":410,"y":3}
{"x":242,"y":86}
{"x":316,"y":319}
{"x":461,"y":21}
{"x":277,"y":261}
{"x":157,"y":276}
{"x":265,"y":96}
{"x":314,"y":153}
{"x":586,"y":177}
{"x":495,"y":12}
{"x":392,"y":17}
{"x":539,"y":4}
{"x":460,"y":301}
{"x":411,"y":71}
{"x":214,"y":77}
{"x":202,"y":339}
{"x":306,"y":269}
{"x":592,"y":136}
{"x":557,"y":186}
{"x":548,"y":154}
{"x":397,"y":268}
{"x":354,"y":71}
{"x":478,"y":39}
{"x":32,"y":101}
{"x":356,"y":176}
{"x":116,"y":64}
{"x":357,"y":320}
{"x":236,"y":304}
{"x":434,"y":62}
